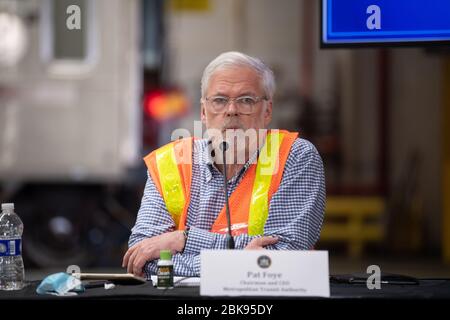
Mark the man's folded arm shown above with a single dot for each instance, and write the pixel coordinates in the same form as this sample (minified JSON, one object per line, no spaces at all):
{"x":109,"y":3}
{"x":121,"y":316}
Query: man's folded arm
{"x":184,"y":265}
{"x":200,"y":239}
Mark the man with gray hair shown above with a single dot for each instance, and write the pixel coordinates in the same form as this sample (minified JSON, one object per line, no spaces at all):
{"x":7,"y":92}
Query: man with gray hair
{"x":275,"y":179}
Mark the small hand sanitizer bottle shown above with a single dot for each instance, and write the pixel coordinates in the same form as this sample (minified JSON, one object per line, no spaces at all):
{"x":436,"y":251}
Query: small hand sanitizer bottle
{"x":165,"y":270}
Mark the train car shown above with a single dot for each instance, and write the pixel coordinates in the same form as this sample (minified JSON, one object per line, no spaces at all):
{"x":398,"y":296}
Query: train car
{"x":70,"y":125}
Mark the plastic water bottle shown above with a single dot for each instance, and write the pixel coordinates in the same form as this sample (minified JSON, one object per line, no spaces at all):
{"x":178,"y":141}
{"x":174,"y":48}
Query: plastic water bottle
{"x":12,"y":273}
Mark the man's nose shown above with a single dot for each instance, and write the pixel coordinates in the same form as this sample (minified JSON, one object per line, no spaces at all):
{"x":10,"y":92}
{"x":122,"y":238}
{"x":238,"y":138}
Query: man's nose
{"x":232,"y":108}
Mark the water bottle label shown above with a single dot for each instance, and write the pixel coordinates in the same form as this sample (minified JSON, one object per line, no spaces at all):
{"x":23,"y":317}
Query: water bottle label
{"x":10,"y":247}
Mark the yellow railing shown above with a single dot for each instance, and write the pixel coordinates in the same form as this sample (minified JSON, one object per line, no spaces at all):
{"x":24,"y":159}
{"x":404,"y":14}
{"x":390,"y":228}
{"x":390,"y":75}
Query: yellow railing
{"x":355,"y":220}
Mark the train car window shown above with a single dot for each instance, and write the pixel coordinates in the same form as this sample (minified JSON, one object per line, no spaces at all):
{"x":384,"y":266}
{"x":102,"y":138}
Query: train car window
{"x":69,"y":31}
{"x":67,"y":35}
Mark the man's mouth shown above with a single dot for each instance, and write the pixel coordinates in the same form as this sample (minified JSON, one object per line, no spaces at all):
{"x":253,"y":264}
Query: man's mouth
{"x":233,"y":128}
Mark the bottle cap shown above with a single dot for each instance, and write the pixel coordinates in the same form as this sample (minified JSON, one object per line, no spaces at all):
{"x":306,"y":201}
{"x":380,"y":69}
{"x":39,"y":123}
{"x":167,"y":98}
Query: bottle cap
{"x":7,"y":206}
{"x":165,"y":255}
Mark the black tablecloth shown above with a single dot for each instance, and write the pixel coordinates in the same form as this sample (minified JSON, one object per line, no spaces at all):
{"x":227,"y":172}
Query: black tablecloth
{"x":426,"y":289}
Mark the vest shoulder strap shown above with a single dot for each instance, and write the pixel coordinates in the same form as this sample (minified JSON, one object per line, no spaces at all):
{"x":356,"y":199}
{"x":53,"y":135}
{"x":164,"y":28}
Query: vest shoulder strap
{"x":170,"y":168}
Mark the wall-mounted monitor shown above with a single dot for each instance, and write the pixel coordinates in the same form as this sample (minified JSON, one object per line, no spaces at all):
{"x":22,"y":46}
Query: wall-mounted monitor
{"x":384,"y":22}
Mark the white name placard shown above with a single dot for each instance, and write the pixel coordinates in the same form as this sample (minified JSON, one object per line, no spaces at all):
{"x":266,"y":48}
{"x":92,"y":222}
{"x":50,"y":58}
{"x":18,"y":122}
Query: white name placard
{"x":264,"y":273}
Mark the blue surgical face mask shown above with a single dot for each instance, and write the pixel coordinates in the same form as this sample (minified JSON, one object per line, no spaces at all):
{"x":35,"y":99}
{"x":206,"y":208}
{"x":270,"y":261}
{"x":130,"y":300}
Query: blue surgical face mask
{"x":60,"y":283}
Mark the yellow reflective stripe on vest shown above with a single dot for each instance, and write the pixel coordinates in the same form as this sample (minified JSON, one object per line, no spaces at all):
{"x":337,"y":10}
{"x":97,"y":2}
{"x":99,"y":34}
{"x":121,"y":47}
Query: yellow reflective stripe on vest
{"x":268,"y":162}
{"x":170,"y":179}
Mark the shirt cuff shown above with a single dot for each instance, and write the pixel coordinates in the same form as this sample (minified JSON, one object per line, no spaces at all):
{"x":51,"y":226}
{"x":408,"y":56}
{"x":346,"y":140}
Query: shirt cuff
{"x":150,"y":268}
{"x":197,"y":240}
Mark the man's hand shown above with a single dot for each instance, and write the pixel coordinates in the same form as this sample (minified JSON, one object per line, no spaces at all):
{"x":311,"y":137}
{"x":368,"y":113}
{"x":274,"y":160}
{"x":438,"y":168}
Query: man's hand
{"x":260,"y":243}
{"x":148,"y":249}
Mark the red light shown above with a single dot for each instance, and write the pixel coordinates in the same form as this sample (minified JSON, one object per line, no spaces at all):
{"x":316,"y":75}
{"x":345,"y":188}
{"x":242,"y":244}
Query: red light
{"x":163,"y":105}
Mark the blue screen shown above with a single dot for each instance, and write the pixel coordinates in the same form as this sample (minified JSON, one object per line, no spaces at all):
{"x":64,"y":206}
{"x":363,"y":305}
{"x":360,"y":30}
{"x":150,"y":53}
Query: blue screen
{"x":374,"y":21}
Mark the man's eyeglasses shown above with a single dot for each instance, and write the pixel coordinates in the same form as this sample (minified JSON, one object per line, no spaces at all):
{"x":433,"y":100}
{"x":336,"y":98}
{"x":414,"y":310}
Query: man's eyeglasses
{"x":244,"y":104}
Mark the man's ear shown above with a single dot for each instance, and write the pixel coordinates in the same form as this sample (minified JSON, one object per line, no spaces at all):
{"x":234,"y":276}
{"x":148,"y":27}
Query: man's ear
{"x":202,"y":113}
{"x":268,"y":113}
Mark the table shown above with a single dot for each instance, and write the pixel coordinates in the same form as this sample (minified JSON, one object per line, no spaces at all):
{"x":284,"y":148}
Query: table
{"x":344,"y":296}
{"x":427,"y":289}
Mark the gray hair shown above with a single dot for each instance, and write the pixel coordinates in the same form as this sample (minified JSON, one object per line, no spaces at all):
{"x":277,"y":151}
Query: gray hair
{"x":233,"y":59}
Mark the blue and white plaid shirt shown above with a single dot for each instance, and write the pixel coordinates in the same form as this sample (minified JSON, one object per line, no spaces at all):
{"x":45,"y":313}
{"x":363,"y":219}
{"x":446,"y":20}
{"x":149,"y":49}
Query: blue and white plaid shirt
{"x":295,"y":210}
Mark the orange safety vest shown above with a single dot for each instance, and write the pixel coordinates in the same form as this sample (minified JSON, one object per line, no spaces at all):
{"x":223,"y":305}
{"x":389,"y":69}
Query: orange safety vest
{"x":170,"y":168}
